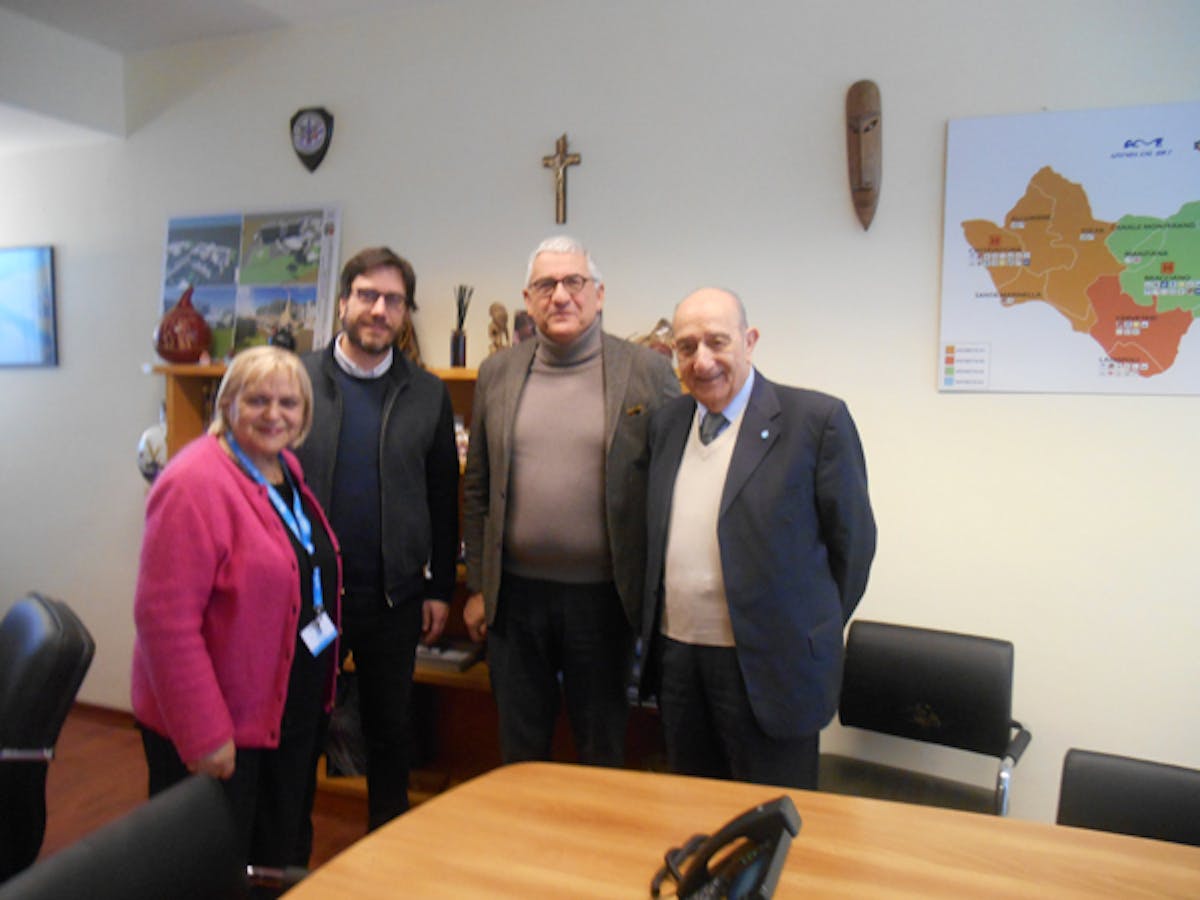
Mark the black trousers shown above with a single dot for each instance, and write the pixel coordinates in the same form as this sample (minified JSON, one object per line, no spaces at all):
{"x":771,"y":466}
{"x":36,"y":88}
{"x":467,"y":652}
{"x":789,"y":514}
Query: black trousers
{"x":709,"y":726}
{"x":552,"y":641}
{"x":384,"y":643}
{"x":271,"y":793}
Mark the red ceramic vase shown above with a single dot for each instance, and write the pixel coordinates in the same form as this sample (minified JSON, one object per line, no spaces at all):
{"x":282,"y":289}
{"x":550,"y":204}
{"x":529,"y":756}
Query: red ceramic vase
{"x":182,"y":336}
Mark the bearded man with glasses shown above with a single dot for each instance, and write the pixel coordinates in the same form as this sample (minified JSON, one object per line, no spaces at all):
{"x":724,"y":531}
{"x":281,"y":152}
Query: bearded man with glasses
{"x":382,"y":460}
{"x":554,"y":506}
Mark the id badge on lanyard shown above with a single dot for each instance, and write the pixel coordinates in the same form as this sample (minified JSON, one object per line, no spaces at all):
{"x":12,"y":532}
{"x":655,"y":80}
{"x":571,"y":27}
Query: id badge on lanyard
{"x":320,"y":632}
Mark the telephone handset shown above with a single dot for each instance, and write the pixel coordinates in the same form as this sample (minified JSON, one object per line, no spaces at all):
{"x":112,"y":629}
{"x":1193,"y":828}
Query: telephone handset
{"x":757,"y":842}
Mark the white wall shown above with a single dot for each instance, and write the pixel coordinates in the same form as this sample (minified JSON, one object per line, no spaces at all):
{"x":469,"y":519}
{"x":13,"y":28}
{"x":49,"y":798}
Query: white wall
{"x":713,"y":151}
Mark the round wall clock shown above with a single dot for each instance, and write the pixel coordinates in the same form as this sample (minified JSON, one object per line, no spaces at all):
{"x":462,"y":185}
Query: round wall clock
{"x":312,"y":130}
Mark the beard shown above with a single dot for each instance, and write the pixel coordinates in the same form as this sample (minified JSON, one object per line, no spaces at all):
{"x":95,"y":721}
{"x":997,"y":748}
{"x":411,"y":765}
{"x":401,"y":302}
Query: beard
{"x":356,"y":334}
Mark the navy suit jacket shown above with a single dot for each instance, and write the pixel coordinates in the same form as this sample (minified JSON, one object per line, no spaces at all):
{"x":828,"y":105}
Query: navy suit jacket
{"x":797,"y":537}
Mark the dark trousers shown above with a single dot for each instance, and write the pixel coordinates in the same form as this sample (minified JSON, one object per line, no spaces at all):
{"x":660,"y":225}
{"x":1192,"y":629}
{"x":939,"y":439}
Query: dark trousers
{"x":384,"y":643}
{"x":709,"y":726}
{"x":552,"y":641}
{"x":271,"y":793}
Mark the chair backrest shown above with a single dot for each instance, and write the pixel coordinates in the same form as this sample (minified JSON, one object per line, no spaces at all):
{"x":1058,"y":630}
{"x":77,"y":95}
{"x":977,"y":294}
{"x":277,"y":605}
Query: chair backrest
{"x":1130,"y":796}
{"x":180,"y":844}
{"x":44,"y":653}
{"x":936,"y":686}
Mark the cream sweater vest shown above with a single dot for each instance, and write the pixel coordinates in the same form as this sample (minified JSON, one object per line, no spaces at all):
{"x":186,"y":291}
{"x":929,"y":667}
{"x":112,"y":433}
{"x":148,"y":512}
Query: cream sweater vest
{"x":694,"y":609}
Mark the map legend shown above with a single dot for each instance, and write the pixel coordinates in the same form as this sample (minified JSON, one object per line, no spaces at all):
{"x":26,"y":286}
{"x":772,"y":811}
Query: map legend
{"x":965,"y":367}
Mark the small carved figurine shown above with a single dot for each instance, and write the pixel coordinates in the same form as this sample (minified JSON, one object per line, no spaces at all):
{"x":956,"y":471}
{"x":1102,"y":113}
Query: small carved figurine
{"x":283,"y":337}
{"x":658,"y":338}
{"x":523,"y":327}
{"x":407,"y":342}
{"x":497,"y":327}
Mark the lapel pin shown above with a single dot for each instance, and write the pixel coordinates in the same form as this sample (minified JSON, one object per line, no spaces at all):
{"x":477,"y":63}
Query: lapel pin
{"x":763,"y":434}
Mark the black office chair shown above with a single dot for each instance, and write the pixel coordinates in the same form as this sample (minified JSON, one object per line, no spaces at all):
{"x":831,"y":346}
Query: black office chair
{"x":1130,"y":796}
{"x":44,"y":653}
{"x":933,"y":686}
{"x":181,"y":843}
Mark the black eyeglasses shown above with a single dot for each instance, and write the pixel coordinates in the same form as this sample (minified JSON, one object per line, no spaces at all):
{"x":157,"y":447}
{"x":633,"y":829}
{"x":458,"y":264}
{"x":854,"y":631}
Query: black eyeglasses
{"x":544,"y":287}
{"x":370,"y":296}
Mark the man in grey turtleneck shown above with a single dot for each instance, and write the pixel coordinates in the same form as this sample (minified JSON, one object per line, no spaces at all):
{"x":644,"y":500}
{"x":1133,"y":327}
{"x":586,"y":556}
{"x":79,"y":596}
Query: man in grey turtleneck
{"x":554,"y":506}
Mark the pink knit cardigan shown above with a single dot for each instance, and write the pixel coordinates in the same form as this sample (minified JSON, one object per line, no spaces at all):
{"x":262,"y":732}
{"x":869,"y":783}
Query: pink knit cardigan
{"x":217,"y":606}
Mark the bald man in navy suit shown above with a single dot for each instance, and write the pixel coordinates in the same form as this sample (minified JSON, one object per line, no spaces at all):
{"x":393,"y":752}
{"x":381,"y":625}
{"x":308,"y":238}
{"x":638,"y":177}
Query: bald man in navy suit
{"x":760,"y":541}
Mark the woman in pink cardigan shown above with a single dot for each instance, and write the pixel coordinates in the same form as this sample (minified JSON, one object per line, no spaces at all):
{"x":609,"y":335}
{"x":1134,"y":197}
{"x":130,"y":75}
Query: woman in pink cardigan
{"x":236,"y":610}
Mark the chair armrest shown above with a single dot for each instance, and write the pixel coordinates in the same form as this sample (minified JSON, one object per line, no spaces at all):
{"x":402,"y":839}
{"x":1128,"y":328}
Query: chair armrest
{"x":1016,"y":746}
{"x":277,"y":879}
{"x":1019,"y":742}
{"x":30,"y":754}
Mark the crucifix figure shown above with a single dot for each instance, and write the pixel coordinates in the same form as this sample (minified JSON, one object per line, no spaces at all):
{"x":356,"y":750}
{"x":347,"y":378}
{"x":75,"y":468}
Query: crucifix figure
{"x":559,"y":162}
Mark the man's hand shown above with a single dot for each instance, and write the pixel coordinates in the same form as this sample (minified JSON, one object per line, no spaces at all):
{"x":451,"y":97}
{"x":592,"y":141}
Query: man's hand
{"x":475,"y":616}
{"x":218,"y":764}
{"x":433,"y":619}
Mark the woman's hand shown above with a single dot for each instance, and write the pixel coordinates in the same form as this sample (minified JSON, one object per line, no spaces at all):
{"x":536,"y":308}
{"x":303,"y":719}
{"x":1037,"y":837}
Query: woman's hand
{"x":219,"y":763}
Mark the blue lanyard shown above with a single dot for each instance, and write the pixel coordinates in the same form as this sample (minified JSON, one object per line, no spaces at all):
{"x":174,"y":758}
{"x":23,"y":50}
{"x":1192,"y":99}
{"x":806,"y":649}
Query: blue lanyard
{"x":295,"y":519}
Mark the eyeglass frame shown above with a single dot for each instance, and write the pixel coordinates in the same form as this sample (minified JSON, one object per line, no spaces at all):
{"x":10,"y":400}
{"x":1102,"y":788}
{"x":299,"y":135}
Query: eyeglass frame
{"x":393,"y":300}
{"x":545,"y":287}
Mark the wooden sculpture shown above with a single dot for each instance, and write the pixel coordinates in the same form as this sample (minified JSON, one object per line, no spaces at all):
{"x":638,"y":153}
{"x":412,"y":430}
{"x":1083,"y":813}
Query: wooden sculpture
{"x":559,"y":162}
{"x":864,"y":148}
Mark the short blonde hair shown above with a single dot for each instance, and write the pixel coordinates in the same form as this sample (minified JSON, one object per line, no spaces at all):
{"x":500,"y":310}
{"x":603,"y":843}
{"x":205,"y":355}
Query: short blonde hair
{"x":250,"y":367}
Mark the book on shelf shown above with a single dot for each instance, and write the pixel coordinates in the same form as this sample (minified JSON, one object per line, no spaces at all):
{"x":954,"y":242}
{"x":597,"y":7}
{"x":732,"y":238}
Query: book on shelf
{"x":450,"y":655}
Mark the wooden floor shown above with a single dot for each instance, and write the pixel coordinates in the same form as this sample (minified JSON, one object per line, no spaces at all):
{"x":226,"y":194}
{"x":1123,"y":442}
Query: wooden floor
{"x":99,"y":774}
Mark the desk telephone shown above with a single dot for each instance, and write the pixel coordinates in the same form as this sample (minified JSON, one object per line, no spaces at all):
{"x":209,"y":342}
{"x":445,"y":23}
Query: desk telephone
{"x":757,"y":842}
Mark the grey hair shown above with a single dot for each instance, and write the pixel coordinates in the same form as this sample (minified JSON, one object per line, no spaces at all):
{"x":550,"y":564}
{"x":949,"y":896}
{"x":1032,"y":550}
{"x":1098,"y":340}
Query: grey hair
{"x":561,"y":243}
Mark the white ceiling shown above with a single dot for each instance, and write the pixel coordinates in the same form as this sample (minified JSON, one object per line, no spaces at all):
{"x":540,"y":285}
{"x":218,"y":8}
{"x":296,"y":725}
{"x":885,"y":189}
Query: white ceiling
{"x":133,"y":26}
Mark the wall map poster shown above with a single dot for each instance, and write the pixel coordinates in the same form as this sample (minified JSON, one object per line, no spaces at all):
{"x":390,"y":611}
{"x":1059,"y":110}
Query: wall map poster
{"x":1071,"y":253}
{"x":256,"y":274}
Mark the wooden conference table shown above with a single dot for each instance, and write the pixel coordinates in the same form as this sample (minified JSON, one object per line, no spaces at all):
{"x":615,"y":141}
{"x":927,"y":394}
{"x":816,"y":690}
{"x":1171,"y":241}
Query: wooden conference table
{"x":553,"y":830}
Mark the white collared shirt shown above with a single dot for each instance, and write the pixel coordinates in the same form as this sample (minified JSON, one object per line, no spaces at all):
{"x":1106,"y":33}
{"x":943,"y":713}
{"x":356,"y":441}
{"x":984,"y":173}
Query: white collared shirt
{"x":351,"y":368}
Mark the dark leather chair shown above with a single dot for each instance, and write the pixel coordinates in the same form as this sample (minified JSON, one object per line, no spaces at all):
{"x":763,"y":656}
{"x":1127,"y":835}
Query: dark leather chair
{"x":932,"y":686}
{"x":181,"y":844}
{"x":1130,"y":796}
{"x":44,"y":653}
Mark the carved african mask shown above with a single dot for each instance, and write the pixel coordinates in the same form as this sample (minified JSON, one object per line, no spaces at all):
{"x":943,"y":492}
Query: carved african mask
{"x":864,"y":148}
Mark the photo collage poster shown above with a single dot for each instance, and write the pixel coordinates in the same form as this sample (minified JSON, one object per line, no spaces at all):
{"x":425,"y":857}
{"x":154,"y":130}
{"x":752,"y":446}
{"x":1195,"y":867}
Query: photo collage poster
{"x":256,"y":275}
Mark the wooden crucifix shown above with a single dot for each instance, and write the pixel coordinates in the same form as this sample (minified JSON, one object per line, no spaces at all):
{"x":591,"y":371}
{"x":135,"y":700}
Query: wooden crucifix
{"x":559,"y":162}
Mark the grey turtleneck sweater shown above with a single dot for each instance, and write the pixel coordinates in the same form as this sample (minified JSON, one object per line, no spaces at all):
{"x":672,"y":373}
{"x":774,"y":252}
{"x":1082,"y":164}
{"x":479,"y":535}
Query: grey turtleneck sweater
{"x":556,"y":522}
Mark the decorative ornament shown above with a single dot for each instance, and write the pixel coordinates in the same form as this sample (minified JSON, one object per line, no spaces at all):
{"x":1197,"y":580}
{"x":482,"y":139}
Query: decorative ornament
{"x":182,"y":336}
{"x":283,"y":338}
{"x":458,"y":338}
{"x":312,"y":131}
{"x":559,"y":162}
{"x":152,"y":449}
{"x":659,"y":338}
{"x":497,"y":327}
{"x":864,"y":148}
{"x":524,"y":327}
{"x":408,"y":344}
